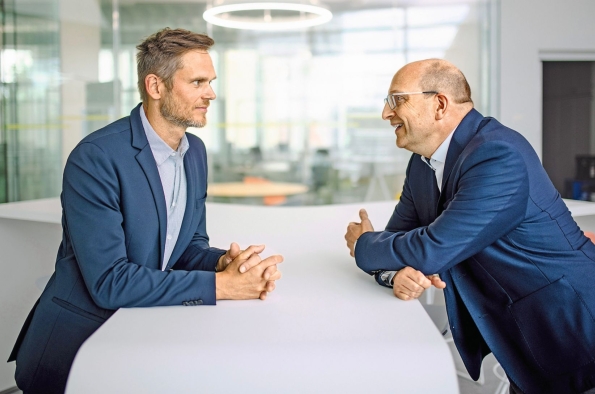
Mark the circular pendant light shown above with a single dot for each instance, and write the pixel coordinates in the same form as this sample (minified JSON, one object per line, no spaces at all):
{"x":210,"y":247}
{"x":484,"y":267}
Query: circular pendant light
{"x":308,"y":16}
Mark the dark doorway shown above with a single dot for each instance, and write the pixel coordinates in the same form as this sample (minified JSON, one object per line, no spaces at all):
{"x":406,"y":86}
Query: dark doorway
{"x":568,"y":129}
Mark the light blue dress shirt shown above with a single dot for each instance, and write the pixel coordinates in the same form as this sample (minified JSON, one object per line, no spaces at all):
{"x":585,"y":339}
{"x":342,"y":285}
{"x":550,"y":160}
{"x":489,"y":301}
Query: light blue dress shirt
{"x":170,"y":164}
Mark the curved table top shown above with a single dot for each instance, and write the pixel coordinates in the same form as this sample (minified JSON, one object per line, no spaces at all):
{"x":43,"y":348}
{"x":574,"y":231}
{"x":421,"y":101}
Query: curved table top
{"x":328,"y":327}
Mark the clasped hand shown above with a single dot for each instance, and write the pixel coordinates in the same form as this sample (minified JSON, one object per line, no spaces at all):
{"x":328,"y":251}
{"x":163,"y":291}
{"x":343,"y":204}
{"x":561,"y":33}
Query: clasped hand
{"x":242,"y":274}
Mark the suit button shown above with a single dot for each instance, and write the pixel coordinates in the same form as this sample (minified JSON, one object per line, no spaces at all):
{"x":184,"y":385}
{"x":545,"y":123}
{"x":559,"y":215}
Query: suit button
{"x":199,"y":302}
{"x":185,"y":303}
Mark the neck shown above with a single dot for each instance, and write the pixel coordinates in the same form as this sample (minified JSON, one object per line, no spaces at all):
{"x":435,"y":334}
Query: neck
{"x":446,"y":126}
{"x":170,"y":133}
{"x":438,"y":139}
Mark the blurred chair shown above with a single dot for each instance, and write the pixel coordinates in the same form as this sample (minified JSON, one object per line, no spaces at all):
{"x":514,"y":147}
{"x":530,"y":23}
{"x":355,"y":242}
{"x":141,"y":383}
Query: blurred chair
{"x":440,"y":319}
{"x":504,"y":383}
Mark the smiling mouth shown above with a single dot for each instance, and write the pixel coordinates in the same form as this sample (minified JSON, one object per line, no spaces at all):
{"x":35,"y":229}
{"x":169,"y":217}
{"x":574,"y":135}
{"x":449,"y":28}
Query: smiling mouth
{"x":398,"y":126}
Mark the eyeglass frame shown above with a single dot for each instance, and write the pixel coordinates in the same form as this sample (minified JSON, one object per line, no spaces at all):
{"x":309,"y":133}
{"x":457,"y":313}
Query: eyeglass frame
{"x":389,"y":98}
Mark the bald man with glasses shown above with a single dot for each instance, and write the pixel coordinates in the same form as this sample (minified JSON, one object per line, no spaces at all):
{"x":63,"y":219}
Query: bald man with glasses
{"x":478,"y":209}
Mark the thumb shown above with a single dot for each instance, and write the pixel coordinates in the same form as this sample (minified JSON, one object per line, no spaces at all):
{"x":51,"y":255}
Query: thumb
{"x":363,"y":215}
{"x":437,"y":282}
{"x":234,"y":250}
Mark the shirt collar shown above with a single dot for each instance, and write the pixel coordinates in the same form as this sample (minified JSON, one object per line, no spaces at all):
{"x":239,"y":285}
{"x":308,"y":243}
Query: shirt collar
{"x":442,"y":151}
{"x":161,"y":151}
{"x":438,"y":159}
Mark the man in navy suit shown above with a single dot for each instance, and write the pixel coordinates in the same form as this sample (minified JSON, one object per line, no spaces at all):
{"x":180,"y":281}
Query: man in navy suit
{"x":478,"y":208}
{"x":134,"y":232}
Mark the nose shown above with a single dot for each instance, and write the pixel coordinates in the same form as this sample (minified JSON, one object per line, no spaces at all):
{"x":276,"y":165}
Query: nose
{"x":210,"y":93}
{"x":387,"y":113}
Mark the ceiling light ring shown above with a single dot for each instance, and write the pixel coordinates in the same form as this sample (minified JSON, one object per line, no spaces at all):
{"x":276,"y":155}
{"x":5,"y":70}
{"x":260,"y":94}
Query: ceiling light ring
{"x":323,"y":16}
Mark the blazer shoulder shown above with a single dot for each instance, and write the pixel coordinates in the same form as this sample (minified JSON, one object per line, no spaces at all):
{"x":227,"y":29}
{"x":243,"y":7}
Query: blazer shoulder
{"x":195,"y":142}
{"x":104,"y":134}
{"x":494,"y":130}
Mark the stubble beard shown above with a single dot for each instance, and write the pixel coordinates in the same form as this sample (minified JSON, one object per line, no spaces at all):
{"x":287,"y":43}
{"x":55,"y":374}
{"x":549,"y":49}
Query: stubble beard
{"x":173,"y":113}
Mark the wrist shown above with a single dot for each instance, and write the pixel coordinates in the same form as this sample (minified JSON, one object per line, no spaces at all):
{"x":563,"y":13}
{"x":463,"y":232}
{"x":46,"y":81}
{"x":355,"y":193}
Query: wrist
{"x":221,"y":286}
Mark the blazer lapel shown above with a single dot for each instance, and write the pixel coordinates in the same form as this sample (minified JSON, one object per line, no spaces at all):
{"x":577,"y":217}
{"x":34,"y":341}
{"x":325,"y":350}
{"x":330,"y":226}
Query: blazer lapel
{"x":465,"y":131}
{"x":147,"y":162}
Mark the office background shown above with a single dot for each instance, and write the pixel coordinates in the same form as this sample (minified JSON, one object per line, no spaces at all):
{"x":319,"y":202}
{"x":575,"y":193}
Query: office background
{"x":297,"y":106}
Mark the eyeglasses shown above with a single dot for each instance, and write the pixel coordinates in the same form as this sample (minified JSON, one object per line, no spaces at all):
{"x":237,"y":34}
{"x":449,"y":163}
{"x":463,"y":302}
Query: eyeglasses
{"x":395,"y":99}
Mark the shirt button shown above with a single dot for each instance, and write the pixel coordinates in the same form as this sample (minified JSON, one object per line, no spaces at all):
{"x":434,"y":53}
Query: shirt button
{"x":173,"y":204}
{"x":173,"y":153}
{"x":169,"y":237}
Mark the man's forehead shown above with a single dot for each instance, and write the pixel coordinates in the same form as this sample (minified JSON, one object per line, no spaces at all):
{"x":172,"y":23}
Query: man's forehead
{"x":401,"y":85}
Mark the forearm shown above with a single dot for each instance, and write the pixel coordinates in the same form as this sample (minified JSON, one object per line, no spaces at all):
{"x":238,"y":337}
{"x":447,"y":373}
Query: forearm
{"x":196,"y":258}
{"x":490,"y":201}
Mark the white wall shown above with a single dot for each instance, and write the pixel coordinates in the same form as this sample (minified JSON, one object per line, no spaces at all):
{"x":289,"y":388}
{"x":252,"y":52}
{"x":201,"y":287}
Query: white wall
{"x":532,"y":31}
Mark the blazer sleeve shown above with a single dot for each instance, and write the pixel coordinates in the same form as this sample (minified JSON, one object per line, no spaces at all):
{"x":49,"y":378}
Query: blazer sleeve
{"x":93,"y":223}
{"x":199,"y":255}
{"x":489,"y":201}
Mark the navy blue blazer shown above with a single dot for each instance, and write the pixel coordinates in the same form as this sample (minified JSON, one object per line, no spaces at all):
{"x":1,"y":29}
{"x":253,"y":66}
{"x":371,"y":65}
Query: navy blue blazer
{"x":518,"y":270}
{"x":114,"y":222}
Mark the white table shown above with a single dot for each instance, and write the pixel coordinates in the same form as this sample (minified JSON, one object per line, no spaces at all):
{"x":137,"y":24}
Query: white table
{"x":328,"y":328}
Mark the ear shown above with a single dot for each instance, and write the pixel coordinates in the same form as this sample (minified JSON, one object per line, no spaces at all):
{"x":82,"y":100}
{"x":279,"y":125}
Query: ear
{"x":442,"y":106}
{"x":154,"y":86}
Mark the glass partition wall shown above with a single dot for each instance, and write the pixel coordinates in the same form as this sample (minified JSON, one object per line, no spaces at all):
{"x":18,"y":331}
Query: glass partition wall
{"x":30,"y":100}
{"x":298,"y":107}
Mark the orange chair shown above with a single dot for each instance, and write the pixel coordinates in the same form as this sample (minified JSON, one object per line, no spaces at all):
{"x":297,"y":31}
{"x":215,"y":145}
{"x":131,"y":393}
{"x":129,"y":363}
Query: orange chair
{"x":590,"y":235}
{"x":267,"y":200}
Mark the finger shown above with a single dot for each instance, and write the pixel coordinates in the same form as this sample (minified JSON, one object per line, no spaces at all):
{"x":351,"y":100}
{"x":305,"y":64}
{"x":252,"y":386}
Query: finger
{"x":250,"y":250}
{"x":276,"y":276}
{"x":270,"y":286}
{"x":263,"y":295}
{"x":351,"y":226}
{"x":411,"y":280}
{"x":418,"y":277}
{"x":363,"y":215}
{"x":351,"y":248}
{"x":410,"y":287}
{"x":269,"y":271}
{"x":270,"y":261}
{"x":252,"y":261}
{"x":402,"y":296}
{"x":234,"y":250}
